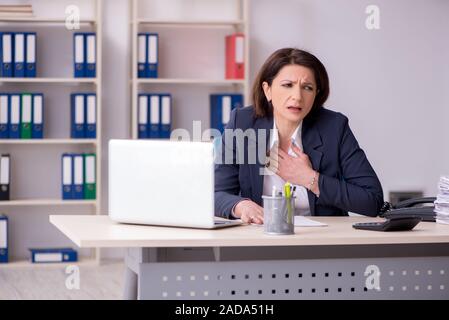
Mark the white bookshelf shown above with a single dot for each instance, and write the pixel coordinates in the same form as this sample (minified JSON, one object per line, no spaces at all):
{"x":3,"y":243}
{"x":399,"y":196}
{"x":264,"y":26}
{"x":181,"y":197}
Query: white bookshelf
{"x":47,"y":141}
{"x":37,"y":20}
{"x":191,"y":81}
{"x":50,"y":80}
{"x":191,"y":23}
{"x":238,"y":22}
{"x":47,"y":202}
{"x":64,"y":144}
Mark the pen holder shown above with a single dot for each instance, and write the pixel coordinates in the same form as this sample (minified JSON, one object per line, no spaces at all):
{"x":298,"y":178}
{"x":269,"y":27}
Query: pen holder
{"x":278,"y":215}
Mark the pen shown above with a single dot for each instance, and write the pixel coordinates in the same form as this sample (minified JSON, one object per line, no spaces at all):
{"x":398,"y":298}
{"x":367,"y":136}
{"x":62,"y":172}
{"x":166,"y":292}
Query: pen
{"x":273,"y":191}
{"x":287,"y":187}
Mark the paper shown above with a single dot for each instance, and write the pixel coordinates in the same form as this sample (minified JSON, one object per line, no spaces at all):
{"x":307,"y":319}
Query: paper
{"x":442,"y":201}
{"x":301,"y":221}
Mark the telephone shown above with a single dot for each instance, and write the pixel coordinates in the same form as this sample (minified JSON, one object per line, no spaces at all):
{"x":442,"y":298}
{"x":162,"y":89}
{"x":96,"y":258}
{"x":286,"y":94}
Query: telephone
{"x":417,"y":207}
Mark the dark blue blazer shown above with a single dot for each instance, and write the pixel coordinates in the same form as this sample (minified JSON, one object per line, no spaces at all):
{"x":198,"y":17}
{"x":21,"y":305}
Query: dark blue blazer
{"x":347,"y":181}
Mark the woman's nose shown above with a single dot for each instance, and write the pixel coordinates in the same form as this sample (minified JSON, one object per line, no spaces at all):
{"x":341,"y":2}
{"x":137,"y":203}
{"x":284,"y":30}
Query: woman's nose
{"x":297,"y":95}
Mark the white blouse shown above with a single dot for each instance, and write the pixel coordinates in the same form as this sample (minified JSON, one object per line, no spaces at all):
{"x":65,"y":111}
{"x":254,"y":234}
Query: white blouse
{"x":271,"y":179}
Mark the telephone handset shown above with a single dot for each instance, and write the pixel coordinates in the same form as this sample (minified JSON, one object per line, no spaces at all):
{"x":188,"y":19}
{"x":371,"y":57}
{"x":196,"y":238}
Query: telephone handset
{"x":417,"y":207}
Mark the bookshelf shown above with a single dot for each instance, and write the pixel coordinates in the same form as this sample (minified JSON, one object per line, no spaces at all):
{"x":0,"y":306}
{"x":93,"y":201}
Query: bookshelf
{"x":49,"y":80}
{"x":57,"y":87}
{"x":190,"y":93}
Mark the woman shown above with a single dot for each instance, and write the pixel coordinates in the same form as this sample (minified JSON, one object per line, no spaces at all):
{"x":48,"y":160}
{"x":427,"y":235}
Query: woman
{"x":309,"y":146}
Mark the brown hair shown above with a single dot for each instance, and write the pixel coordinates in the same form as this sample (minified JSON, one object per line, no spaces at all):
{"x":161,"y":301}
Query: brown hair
{"x":276,"y":62}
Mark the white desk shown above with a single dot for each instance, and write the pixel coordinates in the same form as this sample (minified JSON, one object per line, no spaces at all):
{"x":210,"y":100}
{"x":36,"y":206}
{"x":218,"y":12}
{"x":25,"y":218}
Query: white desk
{"x":243,"y":263}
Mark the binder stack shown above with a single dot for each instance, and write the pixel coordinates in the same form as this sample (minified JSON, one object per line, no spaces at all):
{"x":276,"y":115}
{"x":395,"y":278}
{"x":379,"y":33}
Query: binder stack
{"x":21,"y":115}
{"x":84,"y":54}
{"x":79,"y":176}
{"x":5,"y":177}
{"x":148,"y":52}
{"x":235,"y":56}
{"x":154,"y":116}
{"x":84,"y":115}
{"x":18,"y":54}
{"x":3,"y":238}
{"x":221,"y":106}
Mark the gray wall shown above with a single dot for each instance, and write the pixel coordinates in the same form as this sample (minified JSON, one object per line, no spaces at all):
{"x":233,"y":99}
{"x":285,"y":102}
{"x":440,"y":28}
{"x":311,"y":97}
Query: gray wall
{"x":392,"y":83}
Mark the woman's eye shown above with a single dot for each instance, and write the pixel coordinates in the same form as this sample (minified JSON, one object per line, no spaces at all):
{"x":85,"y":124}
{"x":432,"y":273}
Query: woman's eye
{"x":309,"y":88}
{"x":287,"y":85}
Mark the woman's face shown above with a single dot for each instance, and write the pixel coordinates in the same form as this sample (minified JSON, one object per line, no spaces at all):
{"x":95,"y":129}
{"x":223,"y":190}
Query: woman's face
{"x":292,"y":92}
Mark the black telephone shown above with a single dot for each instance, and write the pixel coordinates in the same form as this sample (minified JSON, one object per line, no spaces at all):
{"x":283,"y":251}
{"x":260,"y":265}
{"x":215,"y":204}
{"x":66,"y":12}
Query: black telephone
{"x":417,"y":207}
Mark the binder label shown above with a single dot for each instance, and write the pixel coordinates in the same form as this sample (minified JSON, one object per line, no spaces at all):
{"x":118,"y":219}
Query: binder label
{"x":7,"y":45}
{"x":67,"y":172}
{"x":226,"y":109}
{"x":31,"y":48}
{"x":37,"y":111}
{"x":90,"y":169}
{"x":239,"y":46}
{"x":3,"y":234}
{"x":4,"y":170}
{"x":143,"y":110}
{"x":166,"y":110}
{"x":152,"y":46}
{"x":91,"y":117}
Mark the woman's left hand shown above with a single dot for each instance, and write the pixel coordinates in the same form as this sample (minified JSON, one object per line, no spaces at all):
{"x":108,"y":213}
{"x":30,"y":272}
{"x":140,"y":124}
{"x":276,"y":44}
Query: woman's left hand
{"x":296,"y":170}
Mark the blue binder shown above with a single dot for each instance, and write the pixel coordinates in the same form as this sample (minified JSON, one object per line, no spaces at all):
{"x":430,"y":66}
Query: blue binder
{"x":165,"y":115}
{"x":52,"y":255}
{"x":67,"y":176}
{"x":4,"y":116}
{"x":91,"y":54}
{"x":221,"y":106}
{"x":152,"y":59}
{"x":30,"y":56}
{"x":19,"y":55}
{"x":142,"y":116}
{"x":142,"y":55}
{"x":14,"y":115}
{"x":78,"y":121}
{"x":7,"y":54}
{"x":37,"y":126}
{"x":79,"y":55}
{"x":3,"y":238}
{"x":78,"y":176}
{"x":90,"y":106}
{"x":154,"y":117}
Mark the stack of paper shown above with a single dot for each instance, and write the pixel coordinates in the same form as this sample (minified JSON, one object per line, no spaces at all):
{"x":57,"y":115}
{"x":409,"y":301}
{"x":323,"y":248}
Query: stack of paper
{"x":16,"y":11}
{"x":442,"y":201}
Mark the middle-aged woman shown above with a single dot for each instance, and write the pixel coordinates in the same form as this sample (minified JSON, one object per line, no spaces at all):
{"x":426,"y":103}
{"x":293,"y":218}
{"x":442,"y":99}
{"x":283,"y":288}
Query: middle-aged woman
{"x":307,"y":145}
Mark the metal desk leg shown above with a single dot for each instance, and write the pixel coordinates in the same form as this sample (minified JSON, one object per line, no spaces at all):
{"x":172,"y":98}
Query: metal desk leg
{"x":130,"y":285}
{"x":133,"y":258}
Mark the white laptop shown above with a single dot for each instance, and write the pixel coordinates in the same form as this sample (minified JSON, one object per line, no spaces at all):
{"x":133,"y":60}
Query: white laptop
{"x":163,"y":182}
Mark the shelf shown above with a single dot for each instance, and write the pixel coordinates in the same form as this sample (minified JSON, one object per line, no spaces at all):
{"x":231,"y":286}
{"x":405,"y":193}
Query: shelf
{"x":46,"y":202}
{"x":27,"y":264}
{"x":49,"y":80}
{"x":36,"y":20}
{"x":190,"y":23}
{"x":189,"y":81}
{"x":48,"y":141}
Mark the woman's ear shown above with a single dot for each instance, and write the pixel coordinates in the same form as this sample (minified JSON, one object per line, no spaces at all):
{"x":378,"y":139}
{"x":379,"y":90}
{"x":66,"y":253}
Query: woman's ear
{"x":267,"y":90}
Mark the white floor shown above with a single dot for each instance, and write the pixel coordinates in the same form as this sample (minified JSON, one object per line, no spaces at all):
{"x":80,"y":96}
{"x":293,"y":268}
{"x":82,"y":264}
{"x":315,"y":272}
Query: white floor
{"x":103,"y":282}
